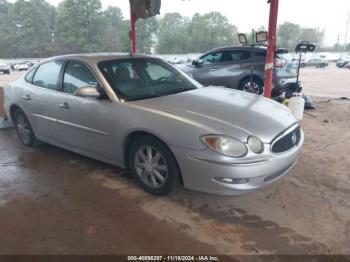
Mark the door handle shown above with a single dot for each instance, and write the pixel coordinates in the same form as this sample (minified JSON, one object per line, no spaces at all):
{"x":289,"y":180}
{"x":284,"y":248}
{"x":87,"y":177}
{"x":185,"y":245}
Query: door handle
{"x":213,"y":69}
{"x":26,"y":97}
{"x":64,"y":105}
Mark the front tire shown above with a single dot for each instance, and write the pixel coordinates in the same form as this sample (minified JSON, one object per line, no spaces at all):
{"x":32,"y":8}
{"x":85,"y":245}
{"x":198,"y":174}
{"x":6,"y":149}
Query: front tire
{"x":23,"y":129}
{"x":153,"y":166}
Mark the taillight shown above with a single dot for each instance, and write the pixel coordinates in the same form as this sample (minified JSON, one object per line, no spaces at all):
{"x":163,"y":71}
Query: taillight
{"x":279,"y":62}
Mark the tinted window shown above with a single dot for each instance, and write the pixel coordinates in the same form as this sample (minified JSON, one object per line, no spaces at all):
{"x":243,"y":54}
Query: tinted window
{"x":47,"y":75}
{"x":77,"y":75}
{"x":235,"y":55}
{"x":212,"y":57}
{"x":140,"y":79}
{"x":261,"y":54}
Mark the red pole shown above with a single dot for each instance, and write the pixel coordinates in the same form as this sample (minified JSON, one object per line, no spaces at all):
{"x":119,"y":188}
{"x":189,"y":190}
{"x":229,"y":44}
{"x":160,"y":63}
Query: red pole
{"x":271,"y":46}
{"x":133,"y":40}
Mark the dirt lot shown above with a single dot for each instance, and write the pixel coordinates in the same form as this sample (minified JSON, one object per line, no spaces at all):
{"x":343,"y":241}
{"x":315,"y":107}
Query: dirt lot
{"x":56,"y":202}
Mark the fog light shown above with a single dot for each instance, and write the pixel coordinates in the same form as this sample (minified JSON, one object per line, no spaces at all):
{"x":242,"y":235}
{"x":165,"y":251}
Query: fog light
{"x":236,"y":181}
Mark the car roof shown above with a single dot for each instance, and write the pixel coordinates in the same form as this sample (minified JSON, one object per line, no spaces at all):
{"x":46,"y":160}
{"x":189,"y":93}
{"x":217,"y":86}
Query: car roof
{"x":98,"y":57}
{"x":248,"y":48}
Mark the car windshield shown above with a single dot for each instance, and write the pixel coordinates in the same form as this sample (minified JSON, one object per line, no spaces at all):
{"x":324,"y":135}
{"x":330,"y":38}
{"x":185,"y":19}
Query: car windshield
{"x":136,"y":79}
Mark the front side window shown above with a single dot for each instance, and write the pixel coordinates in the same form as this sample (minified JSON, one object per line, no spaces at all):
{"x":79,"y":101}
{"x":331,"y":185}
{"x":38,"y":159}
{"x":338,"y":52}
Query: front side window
{"x":136,"y":79}
{"x":214,"y":57}
{"x":77,"y":75}
{"x":47,"y":75}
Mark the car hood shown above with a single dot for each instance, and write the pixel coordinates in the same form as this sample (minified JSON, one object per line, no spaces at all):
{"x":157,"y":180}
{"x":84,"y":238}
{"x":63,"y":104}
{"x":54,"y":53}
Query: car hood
{"x":226,"y":111}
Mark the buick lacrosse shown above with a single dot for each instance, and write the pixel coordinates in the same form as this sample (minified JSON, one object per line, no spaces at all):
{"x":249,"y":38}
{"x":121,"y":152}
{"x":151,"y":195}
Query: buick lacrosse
{"x":143,"y":114}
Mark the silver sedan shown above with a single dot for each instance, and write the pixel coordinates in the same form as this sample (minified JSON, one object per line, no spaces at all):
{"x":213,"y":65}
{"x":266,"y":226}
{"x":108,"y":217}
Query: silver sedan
{"x":143,"y":114}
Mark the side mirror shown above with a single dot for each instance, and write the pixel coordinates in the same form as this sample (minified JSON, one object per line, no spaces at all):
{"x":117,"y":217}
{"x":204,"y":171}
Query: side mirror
{"x":88,"y":91}
{"x":195,"y":62}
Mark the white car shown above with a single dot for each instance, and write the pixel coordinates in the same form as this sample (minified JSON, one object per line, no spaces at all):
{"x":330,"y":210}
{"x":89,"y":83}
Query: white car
{"x":5,"y":68}
{"x":21,"y":66}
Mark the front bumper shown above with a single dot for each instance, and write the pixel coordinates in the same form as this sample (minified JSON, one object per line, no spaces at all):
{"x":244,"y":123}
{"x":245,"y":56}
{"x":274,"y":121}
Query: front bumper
{"x":201,"y":173}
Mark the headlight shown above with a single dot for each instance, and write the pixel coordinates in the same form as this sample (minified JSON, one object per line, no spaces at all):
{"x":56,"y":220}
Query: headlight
{"x":255,"y":145}
{"x":225,"y":145}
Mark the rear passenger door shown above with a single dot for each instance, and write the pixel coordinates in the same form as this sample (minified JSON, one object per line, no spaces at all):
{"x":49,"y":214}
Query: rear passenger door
{"x":39,"y":99}
{"x":86,"y":123}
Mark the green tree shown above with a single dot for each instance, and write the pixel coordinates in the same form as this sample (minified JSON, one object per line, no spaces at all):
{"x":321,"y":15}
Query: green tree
{"x":112,"y":28}
{"x":31,"y":32}
{"x":146,"y":30}
{"x":78,"y":26}
{"x":173,"y":34}
{"x":211,"y":30}
{"x":288,"y":35}
{"x":5,"y":29}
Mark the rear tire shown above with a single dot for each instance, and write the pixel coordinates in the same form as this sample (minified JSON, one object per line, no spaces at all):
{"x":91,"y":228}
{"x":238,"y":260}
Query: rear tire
{"x":153,"y":166}
{"x":255,"y":86}
{"x":23,"y":129}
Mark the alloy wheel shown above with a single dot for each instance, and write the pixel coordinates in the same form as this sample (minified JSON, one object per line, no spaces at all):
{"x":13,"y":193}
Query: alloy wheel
{"x":252,"y":87}
{"x":23,"y":129}
{"x":151,"y":166}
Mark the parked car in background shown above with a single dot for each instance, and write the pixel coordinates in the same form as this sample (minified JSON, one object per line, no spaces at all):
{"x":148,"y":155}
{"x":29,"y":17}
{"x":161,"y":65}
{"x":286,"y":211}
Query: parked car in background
{"x":144,"y":114}
{"x":231,"y":67}
{"x":5,"y":68}
{"x":315,"y":62}
{"x":342,"y":63}
{"x":21,"y":66}
{"x":347,"y":66}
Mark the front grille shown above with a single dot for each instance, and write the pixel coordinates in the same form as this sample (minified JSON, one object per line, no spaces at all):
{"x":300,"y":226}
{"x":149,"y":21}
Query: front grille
{"x":286,"y":141}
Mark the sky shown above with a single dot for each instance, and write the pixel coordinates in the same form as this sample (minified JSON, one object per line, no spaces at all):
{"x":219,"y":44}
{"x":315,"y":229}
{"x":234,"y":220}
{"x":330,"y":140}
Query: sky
{"x":248,"y":14}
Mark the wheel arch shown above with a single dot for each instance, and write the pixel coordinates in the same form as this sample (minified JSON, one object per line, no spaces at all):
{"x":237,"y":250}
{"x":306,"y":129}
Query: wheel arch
{"x":13,"y":109}
{"x":140,"y":133}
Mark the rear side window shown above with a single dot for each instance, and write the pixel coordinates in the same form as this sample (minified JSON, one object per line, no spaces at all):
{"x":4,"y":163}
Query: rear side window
{"x":260,"y":54}
{"x":236,"y":55}
{"x":47,"y":75}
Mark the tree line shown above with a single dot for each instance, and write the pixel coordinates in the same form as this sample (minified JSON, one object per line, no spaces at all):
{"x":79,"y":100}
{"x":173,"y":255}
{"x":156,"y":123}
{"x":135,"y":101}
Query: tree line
{"x":35,"y":28}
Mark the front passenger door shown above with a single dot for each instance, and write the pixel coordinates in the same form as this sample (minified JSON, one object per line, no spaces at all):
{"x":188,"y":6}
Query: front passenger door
{"x":205,"y":71}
